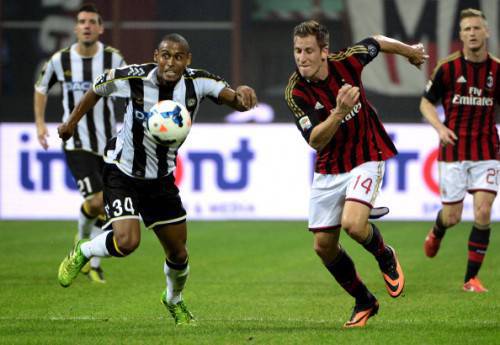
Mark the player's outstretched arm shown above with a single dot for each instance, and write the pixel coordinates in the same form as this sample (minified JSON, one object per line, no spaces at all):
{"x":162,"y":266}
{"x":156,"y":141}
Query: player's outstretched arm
{"x":428,"y":110}
{"x":241,"y":99}
{"x":415,"y":53}
{"x":88,"y":101}
{"x":40,"y":104}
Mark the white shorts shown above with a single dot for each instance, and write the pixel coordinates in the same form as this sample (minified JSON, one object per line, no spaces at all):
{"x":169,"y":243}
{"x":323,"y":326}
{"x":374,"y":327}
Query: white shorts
{"x":329,"y":193}
{"x":457,"y":178}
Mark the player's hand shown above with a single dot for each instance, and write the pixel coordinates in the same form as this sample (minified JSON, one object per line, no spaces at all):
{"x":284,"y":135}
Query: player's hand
{"x":347,"y":97}
{"x":246,"y":97}
{"x":446,"y":136}
{"x":65,"y":131}
{"x":42,"y":134}
{"x":418,"y":55}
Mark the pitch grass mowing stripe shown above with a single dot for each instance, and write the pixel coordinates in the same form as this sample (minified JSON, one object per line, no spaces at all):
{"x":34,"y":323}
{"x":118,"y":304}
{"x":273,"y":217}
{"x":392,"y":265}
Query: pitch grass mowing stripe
{"x":463,"y":323}
{"x":250,"y":283}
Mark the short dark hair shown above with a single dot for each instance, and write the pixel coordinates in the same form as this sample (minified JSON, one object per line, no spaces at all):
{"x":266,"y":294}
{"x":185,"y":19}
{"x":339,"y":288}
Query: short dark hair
{"x":471,"y":12}
{"x":313,"y":28}
{"x":177,"y":39}
{"x":90,"y":7}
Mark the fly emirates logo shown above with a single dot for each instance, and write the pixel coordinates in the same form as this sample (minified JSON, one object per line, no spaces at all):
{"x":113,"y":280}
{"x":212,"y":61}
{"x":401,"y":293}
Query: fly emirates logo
{"x":474,"y":98}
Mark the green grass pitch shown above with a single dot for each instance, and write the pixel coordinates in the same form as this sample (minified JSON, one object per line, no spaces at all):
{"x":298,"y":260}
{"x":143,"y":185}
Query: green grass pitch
{"x":250,"y":283}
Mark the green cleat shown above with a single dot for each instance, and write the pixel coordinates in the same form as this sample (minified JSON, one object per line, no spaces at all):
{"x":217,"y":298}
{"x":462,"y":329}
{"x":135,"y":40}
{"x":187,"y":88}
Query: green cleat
{"x":182,"y":316}
{"x":86,"y":268}
{"x":71,"y":265}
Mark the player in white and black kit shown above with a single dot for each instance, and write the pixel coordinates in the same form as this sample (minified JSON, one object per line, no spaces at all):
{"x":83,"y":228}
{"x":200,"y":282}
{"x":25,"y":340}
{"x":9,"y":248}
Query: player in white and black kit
{"x":75,"y":68}
{"x":138,"y":177}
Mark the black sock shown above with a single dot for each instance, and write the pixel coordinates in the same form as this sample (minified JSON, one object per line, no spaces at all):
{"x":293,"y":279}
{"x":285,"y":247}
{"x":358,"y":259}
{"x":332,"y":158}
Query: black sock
{"x":375,"y":244}
{"x":439,"y":228}
{"x":478,"y":244}
{"x":99,"y":222}
{"x":343,"y":270}
{"x":176,"y":266}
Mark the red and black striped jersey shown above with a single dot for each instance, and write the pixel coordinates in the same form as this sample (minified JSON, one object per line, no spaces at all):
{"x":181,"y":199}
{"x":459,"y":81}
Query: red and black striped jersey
{"x":469,"y":92}
{"x":361,"y":136}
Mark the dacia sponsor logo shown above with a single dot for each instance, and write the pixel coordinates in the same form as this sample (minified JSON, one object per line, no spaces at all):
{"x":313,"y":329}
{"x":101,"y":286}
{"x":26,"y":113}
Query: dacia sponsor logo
{"x":78,"y":85}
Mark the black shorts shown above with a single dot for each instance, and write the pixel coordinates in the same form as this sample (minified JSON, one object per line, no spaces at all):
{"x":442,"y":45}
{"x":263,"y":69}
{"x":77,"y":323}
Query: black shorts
{"x":157,"y":201}
{"x":86,"y":168}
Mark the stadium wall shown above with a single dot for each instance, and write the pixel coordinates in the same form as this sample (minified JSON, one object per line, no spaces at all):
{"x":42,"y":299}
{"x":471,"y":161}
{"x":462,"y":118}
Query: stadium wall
{"x":227,"y":171}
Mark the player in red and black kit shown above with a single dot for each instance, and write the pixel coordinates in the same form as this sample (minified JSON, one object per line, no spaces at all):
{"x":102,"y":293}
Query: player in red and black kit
{"x":327,"y":99}
{"x":467,"y":83}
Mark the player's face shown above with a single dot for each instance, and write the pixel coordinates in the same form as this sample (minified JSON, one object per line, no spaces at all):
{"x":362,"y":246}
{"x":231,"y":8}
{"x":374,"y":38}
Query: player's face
{"x":87,"y":28}
{"x":310,"y":58}
{"x":172,"y":59}
{"x":474,"y":33}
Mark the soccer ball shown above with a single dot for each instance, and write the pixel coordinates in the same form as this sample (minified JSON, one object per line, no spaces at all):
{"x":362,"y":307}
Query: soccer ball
{"x":168,"y":123}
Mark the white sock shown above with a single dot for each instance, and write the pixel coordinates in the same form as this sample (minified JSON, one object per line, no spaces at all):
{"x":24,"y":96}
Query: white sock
{"x":95,"y":261}
{"x":85,"y":225}
{"x":176,"y":279}
{"x":96,"y":247}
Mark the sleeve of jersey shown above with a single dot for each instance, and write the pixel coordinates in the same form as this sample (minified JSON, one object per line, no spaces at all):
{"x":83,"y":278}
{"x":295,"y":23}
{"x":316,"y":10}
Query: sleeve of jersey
{"x":365,"y":50}
{"x":434,"y":88}
{"x":46,"y":79}
{"x":107,"y":85}
{"x":211,"y":87}
{"x":304,"y":115}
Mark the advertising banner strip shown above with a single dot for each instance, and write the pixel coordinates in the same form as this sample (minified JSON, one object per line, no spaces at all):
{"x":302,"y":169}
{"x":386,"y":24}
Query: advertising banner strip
{"x":254,"y":172}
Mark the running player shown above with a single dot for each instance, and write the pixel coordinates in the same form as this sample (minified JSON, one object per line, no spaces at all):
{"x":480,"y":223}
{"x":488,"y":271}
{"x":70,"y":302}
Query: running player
{"x":75,"y":68}
{"x":138,"y":176}
{"x":466,"y":83}
{"x":327,"y":99}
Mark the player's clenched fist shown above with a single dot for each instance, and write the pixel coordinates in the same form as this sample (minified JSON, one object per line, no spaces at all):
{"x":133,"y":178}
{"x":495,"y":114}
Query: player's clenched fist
{"x":65,"y":131}
{"x":418,"y":55}
{"x":246,"y":96}
{"x":347,"y":97}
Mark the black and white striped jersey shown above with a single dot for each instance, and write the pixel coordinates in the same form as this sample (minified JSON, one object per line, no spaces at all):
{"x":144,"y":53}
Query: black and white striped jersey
{"x":76,"y":75}
{"x":135,"y":153}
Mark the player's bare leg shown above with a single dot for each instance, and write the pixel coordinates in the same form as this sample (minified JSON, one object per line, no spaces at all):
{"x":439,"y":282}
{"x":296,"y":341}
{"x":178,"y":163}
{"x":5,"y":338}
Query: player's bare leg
{"x":355,"y":223}
{"x":173,"y":238}
{"x":341,"y":267}
{"x":447,"y":217}
{"x":478,"y":240}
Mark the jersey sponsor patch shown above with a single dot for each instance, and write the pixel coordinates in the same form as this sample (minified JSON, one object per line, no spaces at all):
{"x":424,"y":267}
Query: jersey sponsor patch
{"x":305,"y":123}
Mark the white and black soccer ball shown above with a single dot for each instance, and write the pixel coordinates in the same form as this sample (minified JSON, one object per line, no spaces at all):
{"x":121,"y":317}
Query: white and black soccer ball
{"x":168,"y":123}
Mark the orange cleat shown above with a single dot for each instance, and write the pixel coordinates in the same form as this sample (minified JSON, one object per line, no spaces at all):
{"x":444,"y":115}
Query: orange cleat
{"x":393,"y":275}
{"x":361,"y":314}
{"x":431,"y":244}
{"x":474,"y":285}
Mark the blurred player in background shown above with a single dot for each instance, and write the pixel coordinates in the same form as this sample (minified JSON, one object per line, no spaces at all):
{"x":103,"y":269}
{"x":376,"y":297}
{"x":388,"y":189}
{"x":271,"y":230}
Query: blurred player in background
{"x":467,"y":83}
{"x":76,"y":67}
{"x":138,"y":176}
{"x":327,"y":99}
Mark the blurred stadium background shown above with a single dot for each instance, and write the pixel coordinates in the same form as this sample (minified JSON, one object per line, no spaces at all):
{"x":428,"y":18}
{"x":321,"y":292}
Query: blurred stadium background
{"x":230,"y":171}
